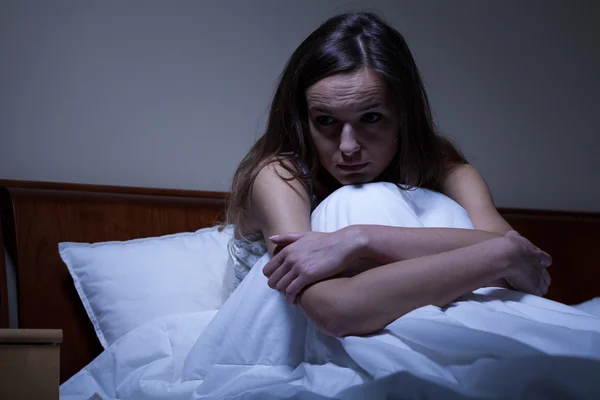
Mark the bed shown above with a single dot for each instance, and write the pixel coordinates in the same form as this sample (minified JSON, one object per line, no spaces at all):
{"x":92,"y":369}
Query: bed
{"x":37,"y":216}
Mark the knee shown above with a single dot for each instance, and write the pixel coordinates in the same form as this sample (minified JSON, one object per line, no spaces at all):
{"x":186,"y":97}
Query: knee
{"x":371,"y":203}
{"x":364,"y":191}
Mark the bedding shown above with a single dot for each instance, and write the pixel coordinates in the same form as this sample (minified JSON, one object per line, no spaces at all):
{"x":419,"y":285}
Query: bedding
{"x":123,"y":284}
{"x":489,"y":344}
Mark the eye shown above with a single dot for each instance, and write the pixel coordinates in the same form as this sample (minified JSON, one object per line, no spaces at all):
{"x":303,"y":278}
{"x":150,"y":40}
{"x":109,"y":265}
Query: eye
{"x":371,"y":118}
{"x":326,"y":120}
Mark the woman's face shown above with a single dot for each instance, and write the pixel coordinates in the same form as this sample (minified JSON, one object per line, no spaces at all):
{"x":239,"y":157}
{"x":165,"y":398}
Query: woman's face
{"x":352,"y":126}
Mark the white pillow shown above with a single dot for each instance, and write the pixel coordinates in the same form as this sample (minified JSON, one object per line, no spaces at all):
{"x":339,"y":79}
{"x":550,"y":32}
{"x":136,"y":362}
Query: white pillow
{"x":124,"y":284}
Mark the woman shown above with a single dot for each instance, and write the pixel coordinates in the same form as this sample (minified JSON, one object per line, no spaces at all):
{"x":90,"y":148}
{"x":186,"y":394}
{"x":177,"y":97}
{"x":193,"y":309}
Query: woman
{"x":350,"y":109}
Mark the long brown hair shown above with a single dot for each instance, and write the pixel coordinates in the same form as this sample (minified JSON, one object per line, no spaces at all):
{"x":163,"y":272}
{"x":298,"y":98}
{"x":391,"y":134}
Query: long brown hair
{"x":345,"y":44}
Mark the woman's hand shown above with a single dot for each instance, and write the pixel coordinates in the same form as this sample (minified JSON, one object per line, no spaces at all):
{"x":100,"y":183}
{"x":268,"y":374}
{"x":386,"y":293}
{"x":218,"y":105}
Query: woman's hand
{"x":309,"y":257}
{"x":526,"y":265}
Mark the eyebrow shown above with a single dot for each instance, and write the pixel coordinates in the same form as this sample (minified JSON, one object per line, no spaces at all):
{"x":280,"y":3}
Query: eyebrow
{"x":368,"y":106}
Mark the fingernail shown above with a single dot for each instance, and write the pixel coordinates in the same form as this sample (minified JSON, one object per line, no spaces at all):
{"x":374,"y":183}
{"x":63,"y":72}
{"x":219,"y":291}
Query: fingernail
{"x":546,"y":260}
{"x":274,"y":237}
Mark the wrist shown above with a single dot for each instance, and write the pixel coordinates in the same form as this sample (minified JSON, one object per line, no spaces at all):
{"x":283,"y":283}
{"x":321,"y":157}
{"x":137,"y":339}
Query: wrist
{"x":502,"y":252}
{"x":357,"y":236}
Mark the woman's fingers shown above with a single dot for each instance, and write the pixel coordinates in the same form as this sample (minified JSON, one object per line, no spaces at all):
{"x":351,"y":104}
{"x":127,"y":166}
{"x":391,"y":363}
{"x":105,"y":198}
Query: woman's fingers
{"x":544,"y":283}
{"x":513,"y":233}
{"x":278,"y":274}
{"x":294,"y":289}
{"x":284,"y":282}
{"x":545,"y":259}
{"x":286,"y":238}
{"x":273,"y":264}
{"x":542,"y":288}
{"x":279,"y":255}
{"x":547,"y":278}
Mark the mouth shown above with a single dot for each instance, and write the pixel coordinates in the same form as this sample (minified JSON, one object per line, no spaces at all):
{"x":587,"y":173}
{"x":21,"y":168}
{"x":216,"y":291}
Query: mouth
{"x":352,"y":167}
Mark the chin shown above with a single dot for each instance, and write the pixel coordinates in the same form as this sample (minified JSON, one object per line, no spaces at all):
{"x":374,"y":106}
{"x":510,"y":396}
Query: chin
{"x":367,"y":175}
{"x":354,"y":179}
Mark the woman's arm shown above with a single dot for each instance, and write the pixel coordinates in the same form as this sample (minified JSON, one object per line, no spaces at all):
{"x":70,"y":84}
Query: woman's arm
{"x":278,"y":206}
{"x":465,"y":185}
{"x":387,"y":244}
{"x":362,"y":247}
{"x":374,"y":297}
{"x":369,"y":301}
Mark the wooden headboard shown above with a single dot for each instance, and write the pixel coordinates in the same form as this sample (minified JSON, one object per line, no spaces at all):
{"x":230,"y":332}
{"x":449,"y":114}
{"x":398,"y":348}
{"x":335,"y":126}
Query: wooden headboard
{"x":3,"y":285}
{"x":37,"y":216}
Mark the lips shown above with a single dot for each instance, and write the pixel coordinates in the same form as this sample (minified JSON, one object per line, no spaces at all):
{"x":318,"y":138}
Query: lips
{"x":352,"y":167}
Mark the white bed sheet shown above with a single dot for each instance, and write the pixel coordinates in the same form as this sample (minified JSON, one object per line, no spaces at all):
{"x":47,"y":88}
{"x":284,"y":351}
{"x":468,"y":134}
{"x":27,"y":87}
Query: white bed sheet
{"x":591,"y":306}
{"x":490,"y":344}
{"x":494,"y":343}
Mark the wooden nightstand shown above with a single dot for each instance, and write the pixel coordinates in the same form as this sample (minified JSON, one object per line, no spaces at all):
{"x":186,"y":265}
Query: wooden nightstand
{"x":29,"y":363}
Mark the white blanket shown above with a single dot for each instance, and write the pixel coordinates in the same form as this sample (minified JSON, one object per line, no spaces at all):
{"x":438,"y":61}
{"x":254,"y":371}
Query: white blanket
{"x":490,"y":344}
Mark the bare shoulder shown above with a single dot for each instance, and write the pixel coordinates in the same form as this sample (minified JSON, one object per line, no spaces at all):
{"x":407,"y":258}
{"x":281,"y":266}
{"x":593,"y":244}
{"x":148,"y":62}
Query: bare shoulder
{"x":279,"y":203}
{"x":277,"y":178}
{"x":463,"y":179}
{"x":467,"y":186}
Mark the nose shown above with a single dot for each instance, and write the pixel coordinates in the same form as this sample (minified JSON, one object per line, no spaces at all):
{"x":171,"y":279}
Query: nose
{"x":348,"y":143}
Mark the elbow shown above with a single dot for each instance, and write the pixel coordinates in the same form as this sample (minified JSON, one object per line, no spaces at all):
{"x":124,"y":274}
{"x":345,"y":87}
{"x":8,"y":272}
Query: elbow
{"x":338,"y":324}
{"x":323,"y":303}
{"x":344,"y":323}
{"x":328,"y":306}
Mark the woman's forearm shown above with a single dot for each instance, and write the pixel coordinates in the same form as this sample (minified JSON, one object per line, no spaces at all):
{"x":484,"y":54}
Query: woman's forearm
{"x":369,"y":301}
{"x":388,"y":244}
